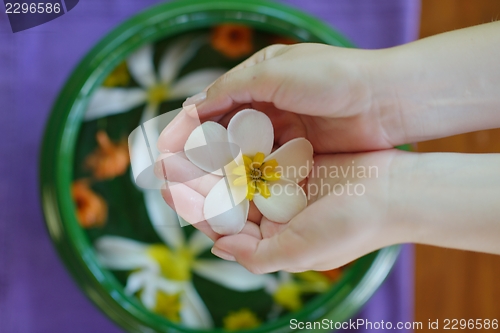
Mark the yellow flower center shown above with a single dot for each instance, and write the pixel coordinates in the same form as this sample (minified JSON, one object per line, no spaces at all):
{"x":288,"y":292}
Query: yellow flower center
{"x":240,"y":320}
{"x":168,"y":305}
{"x":158,"y":93}
{"x":256,"y":175}
{"x":315,"y":280}
{"x":118,"y":77}
{"x":288,"y":295}
{"x":174,"y":265}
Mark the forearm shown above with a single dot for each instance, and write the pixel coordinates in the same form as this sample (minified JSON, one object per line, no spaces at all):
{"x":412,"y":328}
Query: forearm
{"x":448,"y":200}
{"x":440,"y":86}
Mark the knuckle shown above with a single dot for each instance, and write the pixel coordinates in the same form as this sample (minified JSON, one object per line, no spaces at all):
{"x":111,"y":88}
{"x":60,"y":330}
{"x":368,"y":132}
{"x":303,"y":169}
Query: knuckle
{"x":271,"y":51}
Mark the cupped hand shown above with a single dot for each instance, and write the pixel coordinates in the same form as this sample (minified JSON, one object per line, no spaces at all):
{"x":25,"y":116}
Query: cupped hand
{"x":319,"y":92}
{"x":349,"y":215}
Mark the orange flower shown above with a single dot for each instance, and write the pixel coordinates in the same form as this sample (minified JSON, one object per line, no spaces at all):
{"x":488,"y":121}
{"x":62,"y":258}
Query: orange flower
{"x":232,"y":40}
{"x":110,"y":159}
{"x":91,"y":209}
{"x":283,"y":40}
{"x":332,"y":275}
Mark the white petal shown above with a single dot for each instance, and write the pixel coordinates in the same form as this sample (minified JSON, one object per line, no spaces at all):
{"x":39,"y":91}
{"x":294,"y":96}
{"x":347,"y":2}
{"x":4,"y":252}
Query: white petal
{"x":295,"y":159}
{"x":207,"y":147}
{"x":108,"y":101}
{"x":229,"y":274}
{"x":194,"y":82}
{"x":119,"y":245}
{"x":284,"y":277}
{"x":127,"y":263}
{"x":136,"y":281}
{"x":148,"y":293}
{"x":164,"y":219}
{"x":140,"y":149}
{"x":287,"y":200}
{"x":169,"y":286}
{"x":199,"y":243}
{"x":225,"y":210}
{"x":194,"y":312}
{"x":180,"y":52}
{"x":252,"y":131}
{"x":272,"y":285}
{"x":150,"y":111}
{"x":123,"y":254}
{"x":140,"y":65}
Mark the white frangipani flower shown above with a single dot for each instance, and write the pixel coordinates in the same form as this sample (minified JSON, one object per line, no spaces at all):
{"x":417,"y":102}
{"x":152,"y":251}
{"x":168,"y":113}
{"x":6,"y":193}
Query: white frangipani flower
{"x":252,"y":173}
{"x":168,"y":268}
{"x":155,"y":87}
{"x":287,"y":292}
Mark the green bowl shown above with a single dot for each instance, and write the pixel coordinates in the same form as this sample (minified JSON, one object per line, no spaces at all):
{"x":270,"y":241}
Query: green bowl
{"x":65,"y":140}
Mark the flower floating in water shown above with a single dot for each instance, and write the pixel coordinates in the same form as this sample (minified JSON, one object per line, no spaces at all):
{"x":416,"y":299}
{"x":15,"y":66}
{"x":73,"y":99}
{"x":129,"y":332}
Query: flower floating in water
{"x":162,"y":274}
{"x":283,"y":40}
{"x":287,"y":292}
{"x":91,"y":209}
{"x":240,"y":320}
{"x":109,"y":159}
{"x":253,"y":173}
{"x":154,"y":88}
{"x":232,"y":40}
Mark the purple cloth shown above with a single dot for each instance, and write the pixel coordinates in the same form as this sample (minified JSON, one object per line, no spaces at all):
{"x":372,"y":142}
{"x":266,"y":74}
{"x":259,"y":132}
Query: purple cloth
{"x":36,"y":293}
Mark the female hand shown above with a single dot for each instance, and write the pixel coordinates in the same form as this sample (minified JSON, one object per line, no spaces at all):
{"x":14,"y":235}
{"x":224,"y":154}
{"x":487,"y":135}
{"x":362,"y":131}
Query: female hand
{"x":319,"y":92}
{"x":349,"y":215}
{"x":348,"y":100}
{"x":345,"y":100}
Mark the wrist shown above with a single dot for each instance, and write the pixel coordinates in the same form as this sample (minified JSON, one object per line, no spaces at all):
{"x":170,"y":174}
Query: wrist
{"x":439,"y":86}
{"x":448,"y":200}
{"x":402,"y":181}
{"x":393,"y":80}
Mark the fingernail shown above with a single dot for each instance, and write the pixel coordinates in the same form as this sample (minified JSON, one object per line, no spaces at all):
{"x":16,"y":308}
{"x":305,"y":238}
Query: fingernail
{"x":196,"y":99}
{"x":222,"y":254}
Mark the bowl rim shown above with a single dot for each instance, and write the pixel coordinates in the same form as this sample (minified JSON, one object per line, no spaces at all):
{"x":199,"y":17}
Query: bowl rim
{"x":59,"y":142}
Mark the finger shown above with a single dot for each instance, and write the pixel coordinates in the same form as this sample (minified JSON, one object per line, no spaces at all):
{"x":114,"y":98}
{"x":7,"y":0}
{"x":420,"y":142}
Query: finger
{"x":259,"y":256}
{"x":174,"y":136}
{"x":270,"y":228}
{"x":189,"y":207}
{"x":251,"y":81}
{"x":178,"y":169}
{"x":189,"y":203}
{"x":257,"y":57}
{"x":251,"y":229}
{"x":254,"y":214}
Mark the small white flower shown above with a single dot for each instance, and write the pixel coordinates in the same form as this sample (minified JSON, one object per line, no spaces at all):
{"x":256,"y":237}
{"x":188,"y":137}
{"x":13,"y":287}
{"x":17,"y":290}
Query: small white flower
{"x":155,"y":88}
{"x":251,"y":173}
{"x":168,"y":268}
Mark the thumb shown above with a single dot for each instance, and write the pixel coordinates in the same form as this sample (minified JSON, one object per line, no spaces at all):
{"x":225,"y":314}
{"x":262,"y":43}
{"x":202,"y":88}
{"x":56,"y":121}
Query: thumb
{"x":252,"y":80}
{"x":279,"y":252}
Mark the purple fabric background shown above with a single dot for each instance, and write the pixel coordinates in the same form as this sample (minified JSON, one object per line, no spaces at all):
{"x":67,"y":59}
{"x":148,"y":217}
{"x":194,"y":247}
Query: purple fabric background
{"x":36,"y":293}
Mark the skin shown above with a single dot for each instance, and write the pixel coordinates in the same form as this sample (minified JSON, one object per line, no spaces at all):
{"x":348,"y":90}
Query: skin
{"x":354,"y":106}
